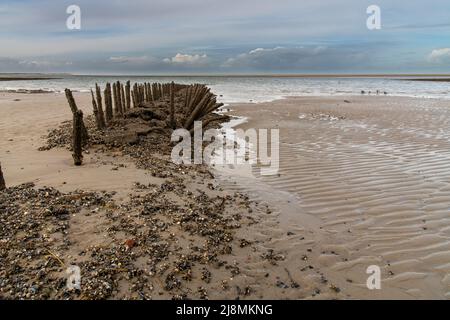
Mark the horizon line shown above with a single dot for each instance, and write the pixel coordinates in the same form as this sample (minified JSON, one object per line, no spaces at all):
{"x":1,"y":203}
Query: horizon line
{"x":236,"y":75}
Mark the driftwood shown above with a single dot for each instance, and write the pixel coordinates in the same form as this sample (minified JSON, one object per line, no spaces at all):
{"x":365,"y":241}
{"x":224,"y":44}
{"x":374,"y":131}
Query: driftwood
{"x":77,"y":138}
{"x":2,"y":180}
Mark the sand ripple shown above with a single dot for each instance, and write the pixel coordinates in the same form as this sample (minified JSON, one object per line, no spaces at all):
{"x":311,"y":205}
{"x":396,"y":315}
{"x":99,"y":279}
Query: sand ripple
{"x":378,"y":181}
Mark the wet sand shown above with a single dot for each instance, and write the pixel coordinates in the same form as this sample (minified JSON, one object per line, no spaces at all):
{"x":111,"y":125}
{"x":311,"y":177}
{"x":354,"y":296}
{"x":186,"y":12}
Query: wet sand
{"x":368,"y":180}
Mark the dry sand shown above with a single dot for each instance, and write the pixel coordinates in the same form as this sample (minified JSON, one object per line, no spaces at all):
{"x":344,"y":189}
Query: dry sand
{"x":256,"y":268}
{"x":368,"y":180}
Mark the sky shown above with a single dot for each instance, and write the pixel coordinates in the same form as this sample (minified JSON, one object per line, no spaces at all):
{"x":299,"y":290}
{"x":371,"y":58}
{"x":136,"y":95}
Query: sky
{"x":225,"y":37}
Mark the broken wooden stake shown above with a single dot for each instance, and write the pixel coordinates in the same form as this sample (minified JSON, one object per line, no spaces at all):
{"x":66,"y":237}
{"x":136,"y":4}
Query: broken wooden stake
{"x":77,"y":138}
{"x":74,"y":108}
{"x":108,"y":104}
{"x":96,"y":115}
{"x":101,"y":114}
{"x":172,"y":105}
{"x":128,"y":95}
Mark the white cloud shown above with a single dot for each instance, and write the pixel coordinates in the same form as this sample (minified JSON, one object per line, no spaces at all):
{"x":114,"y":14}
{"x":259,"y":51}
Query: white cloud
{"x":278,"y":57}
{"x":187,"y":59}
{"x":439,"y":55}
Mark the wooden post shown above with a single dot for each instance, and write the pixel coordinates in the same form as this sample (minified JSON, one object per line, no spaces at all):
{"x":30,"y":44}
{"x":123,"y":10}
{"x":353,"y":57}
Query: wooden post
{"x":123,"y":102}
{"x":116,"y":100}
{"x":2,"y":180}
{"x":172,"y":105}
{"x":133,"y":97}
{"x":119,"y":97}
{"x":101,"y":115}
{"x":96,"y":115}
{"x":187,"y":99}
{"x":74,"y":108}
{"x":146,"y":92}
{"x":108,"y":104}
{"x":197,"y":110}
{"x":77,"y":138}
{"x":142,"y":93}
{"x":150,"y":91}
{"x":128,"y":94}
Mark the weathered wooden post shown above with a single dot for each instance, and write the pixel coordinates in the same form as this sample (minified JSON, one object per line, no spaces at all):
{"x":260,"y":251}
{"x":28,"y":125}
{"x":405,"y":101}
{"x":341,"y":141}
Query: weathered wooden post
{"x":116,"y":100}
{"x":2,"y":180}
{"x":150,"y":92}
{"x":128,"y":94}
{"x":95,"y":109}
{"x":77,"y":138}
{"x":172,"y":105}
{"x":142,"y":94}
{"x":187,"y":99}
{"x":146,"y":92}
{"x":108,"y":104}
{"x":101,"y":114}
{"x":74,"y":108}
{"x":122,"y":96}
{"x":135,"y":95}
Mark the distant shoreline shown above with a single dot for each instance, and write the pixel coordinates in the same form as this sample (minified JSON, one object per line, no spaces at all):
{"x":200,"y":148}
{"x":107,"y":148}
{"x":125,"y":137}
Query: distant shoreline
{"x":25,"y":78}
{"x":430,"y":79}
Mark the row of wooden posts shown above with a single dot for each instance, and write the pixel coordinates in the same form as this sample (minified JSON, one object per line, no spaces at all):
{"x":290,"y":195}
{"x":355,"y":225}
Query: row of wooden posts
{"x":118,"y":98}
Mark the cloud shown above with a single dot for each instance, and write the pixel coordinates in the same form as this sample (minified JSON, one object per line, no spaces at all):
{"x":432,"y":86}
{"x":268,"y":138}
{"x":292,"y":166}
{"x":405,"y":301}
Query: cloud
{"x":43,"y":64}
{"x":294,"y":58}
{"x":187,"y":59}
{"x":439,"y":55}
{"x":33,"y":65}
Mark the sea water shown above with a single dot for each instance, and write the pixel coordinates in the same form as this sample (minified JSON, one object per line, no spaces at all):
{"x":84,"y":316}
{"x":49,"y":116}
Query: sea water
{"x":254,"y":88}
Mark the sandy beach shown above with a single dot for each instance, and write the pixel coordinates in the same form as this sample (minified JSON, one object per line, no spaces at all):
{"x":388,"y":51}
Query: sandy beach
{"x":367,"y":178}
{"x":363,"y":181}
